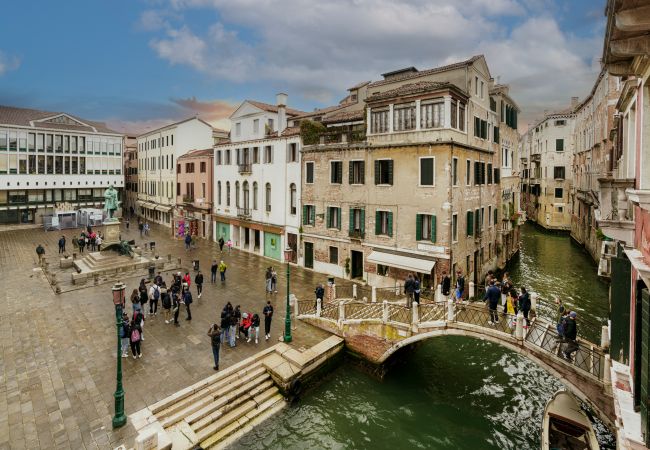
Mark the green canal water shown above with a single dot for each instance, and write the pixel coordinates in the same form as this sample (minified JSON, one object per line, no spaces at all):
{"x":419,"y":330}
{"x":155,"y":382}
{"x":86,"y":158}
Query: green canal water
{"x":451,"y":392}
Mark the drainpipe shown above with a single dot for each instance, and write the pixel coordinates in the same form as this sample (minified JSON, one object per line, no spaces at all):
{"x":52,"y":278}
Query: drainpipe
{"x":450,"y":198}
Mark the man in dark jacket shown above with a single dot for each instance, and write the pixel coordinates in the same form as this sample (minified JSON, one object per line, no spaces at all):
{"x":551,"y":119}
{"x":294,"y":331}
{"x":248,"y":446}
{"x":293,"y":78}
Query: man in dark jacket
{"x":221,"y":242}
{"x":570,"y":335}
{"x":492,"y":296}
{"x":446,"y":284}
{"x":408,"y":289}
{"x":187,"y":299}
{"x":40,"y":251}
{"x":320,"y":293}
{"x":268,"y":315}
{"x":198,"y":280}
{"x":215,"y":339}
{"x":460,"y":286}
{"x":62,"y":244}
{"x":525,"y":304}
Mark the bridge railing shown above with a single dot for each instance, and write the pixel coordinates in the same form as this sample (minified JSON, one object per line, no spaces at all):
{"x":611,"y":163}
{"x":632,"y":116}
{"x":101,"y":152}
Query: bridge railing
{"x":344,"y":291}
{"x":364,"y":291}
{"x":330,"y":311}
{"x":362,"y":310}
{"x":390,"y":294}
{"x":306,"y":307}
{"x":479,"y":315}
{"x":399,"y":313}
{"x":432,"y":312}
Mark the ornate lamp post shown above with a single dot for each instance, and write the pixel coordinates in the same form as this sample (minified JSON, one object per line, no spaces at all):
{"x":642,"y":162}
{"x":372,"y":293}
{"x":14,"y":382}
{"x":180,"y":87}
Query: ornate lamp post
{"x":287,"y":321}
{"x":119,"y":293}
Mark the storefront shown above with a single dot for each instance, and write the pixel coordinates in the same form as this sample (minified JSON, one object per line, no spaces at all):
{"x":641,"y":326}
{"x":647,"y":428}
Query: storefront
{"x":272,"y":246}
{"x":222,"y":230}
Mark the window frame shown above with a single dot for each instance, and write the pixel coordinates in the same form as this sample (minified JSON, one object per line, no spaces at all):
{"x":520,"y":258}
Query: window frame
{"x":339,"y":163}
{"x":378,"y":176}
{"x":433,"y":172}
{"x":313,"y":173}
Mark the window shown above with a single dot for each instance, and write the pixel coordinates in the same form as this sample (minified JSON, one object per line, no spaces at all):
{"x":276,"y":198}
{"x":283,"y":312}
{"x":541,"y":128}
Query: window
{"x":292,"y":198}
{"x":238,"y":129}
{"x":237,"y":204}
{"x":178,"y":168}
{"x":357,"y":222}
{"x":496,"y":134}
{"x":479,"y":173}
{"x":489,"y":217}
{"x":309,"y":215}
{"x":480,"y":128}
{"x":461,"y":116}
{"x":432,"y":115}
{"x":454,"y":113}
{"x":559,"y":145}
{"x":425,"y":227}
{"x":256,"y":155}
{"x":219,"y":192}
{"x":227,"y":193}
{"x":489,"y":173}
{"x":559,"y":193}
{"x":382,"y":270}
{"x":454,"y":171}
{"x":268,"y":197}
{"x":475,"y":85}
{"x":333,"y":217}
{"x":309,"y":172}
{"x":255,"y":195}
{"x":336,"y":172}
{"x":468,"y":172}
{"x":427,"y":168}
{"x":470,"y":223}
{"x":497,"y":176}
{"x":293,"y":153}
{"x":256,"y":126}
{"x":379,"y":121}
{"x":559,"y":209}
{"x":454,"y":227}
{"x":334,"y":255}
{"x":404,"y":117}
{"x":384,"y":171}
{"x":559,"y":123}
{"x":558,"y":172}
{"x":384,"y":223}
{"x":357,"y":172}
{"x":482,"y":86}
{"x":203,"y":167}
{"x":268,"y":154}
{"x":227,"y":158}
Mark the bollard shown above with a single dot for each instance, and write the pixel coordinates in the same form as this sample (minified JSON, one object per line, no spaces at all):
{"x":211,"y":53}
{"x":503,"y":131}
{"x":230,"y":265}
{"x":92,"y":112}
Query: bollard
{"x":53,"y":279}
{"x":334,"y":290}
{"x":607,"y":374}
{"x":438,"y":297}
{"x":604,"y":337}
{"x":396,"y":289}
{"x":450,"y":310}
{"x":319,"y":307}
{"x":354,"y":291}
{"x":416,"y":313}
{"x":373,"y":294}
{"x":341,"y":312}
{"x":519,"y":328}
{"x":384,"y":312}
{"x":533,"y":301}
{"x":472,"y":290}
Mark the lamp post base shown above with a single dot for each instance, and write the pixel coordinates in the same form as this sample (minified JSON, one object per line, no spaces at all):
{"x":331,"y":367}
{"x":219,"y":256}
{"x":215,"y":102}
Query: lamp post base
{"x":119,"y":419}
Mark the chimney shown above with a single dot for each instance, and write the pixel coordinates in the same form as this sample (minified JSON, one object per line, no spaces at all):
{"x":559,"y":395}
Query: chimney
{"x":574,"y":101}
{"x":281,"y":100}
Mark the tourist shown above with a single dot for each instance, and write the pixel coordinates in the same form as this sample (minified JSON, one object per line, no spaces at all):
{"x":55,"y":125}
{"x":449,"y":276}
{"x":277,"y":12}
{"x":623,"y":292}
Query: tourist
{"x":222,"y":271}
{"x":141,"y":228}
{"x":408,"y":289}
{"x":198,"y":280}
{"x":93,"y":241}
{"x":274,"y":280}
{"x":232,"y":329}
{"x":213,"y":271}
{"x":320,"y":294}
{"x":570,"y":335}
{"x":221,"y":242}
{"x":166,"y":302}
{"x":525,"y":305}
{"x":255,"y":328}
{"x":492,"y":296}
{"x":229,"y":245}
{"x":138,"y":316}
{"x":146,"y":229}
{"x":188,"y":242}
{"x":488,"y":278}
{"x":268,"y":315}
{"x":225,"y":322}
{"x":215,"y":339}
{"x":446,"y":284}
{"x":125,"y":335}
{"x":268,"y":280}
{"x":511,"y":309}
{"x":98,"y":242}
{"x":416,"y":289}
{"x":245,"y":325}
{"x":128,"y":223}
{"x":136,"y":336}
{"x":154,"y":296}
{"x":237,"y":316}
{"x":144,"y":299}
{"x":176,"y":303}
{"x":187,"y":299}
{"x":40,"y":251}
{"x":62,"y":244}
{"x":82,"y":243}
{"x":506,"y":285}
{"x":158,"y":279}
{"x":460,"y":286}
{"x":135,"y":300}
{"x":187,"y":279}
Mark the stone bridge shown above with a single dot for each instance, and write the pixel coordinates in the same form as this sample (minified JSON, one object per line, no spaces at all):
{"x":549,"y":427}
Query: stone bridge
{"x":375,"y":331}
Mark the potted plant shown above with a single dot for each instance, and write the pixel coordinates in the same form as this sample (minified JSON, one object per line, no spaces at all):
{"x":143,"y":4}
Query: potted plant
{"x":347,"y":266}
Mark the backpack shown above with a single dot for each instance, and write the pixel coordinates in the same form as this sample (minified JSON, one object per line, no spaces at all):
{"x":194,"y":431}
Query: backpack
{"x":561,"y":326}
{"x":188,"y":298}
{"x":135,"y":335}
{"x":156,"y":293}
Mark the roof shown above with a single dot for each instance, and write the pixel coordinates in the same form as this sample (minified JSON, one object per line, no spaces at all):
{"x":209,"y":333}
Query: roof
{"x":412,"y":89}
{"x":399,"y":71}
{"x":290,"y":131}
{"x":24,"y":117}
{"x":274,"y":108}
{"x":409,"y":75}
{"x":503,"y":90}
{"x":197,"y":153}
{"x":344,"y":116}
{"x":174,"y":124}
{"x":358,"y":85}
{"x":593,"y":91}
{"x":320,"y":111}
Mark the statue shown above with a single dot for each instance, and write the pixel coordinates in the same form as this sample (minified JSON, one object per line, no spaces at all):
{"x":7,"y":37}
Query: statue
{"x":110,"y":201}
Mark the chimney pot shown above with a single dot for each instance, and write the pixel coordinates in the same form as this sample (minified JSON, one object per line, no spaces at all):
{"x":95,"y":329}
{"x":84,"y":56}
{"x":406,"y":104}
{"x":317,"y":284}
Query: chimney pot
{"x":281,"y":99}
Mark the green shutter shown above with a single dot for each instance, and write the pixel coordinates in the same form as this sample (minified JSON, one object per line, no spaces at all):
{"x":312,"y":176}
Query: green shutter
{"x":351,"y":220}
{"x":470,"y":223}
{"x":363,"y":220}
{"x":418,"y":227}
{"x":390,"y":172}
{"x":329,"y":217}
{"x":390,"y":224}
{"x":496,"y":215}
{"x":313,"y":215}
{"x":376,"y":172}
{"x":377,"y":225}
{"x":339,"y":172}
{"x":362,"y":172}
{"x":477,"y":221}
{"x":350,"y":172}
{"x":433,"y":228}
{"x":338,"y":211}
{"x":304,"y":215}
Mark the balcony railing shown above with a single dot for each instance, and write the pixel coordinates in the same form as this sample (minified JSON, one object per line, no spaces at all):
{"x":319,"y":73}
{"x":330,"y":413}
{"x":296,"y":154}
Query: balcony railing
{"x":243,"y":212}
{"x":357,"y":234}
{"x":188,"y":199}
{"x":245,"y":168}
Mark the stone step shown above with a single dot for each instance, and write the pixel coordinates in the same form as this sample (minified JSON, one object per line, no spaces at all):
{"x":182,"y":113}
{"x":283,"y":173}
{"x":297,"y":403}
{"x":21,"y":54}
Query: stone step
{"x":226,"y":403}
{"x":209,"y":396}
{"x":230,"y":421}
{"x":244,"y":424}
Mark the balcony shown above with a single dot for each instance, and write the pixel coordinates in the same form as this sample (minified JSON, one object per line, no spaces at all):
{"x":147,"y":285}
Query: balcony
{"x":245,"y":168}
{"x":607,"y":251}
{"x":614,"y":215}
{"x":357,"y":234}
{"x":188,"y":199}
{"x":244,"y":213}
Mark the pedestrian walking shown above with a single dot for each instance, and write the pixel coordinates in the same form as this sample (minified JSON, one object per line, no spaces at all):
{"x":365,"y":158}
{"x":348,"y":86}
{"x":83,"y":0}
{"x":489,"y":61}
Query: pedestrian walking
{"x":492,"y":296}
{"x":268,"y":281}
{"x":82,"y":243}
{"x":146,"y":229}
{"x":154,"y":296}
{"x":222,"y":271}
{"x":446,"y":284}
{"x":141,"y":228}
{"x":274,"y":280}
{"x":215,"y":339}
{"x":320,"y":294}
{"x":221,"y":242}
{"x":525,"y":305}
{"x":144,"y":299}
{"x":570,"y":335}
{"x":128,"y":223}
{"x":255,"y":328}
{"x":136,"y":336}
{"x":187,"y":299}
{"x":229,"y":245}
{"x":198,"y":280}
{"x":98,"y":242}
{"x":225,"y":322}
{"x":176,"y":304}
{"x":40,"y":251}
{"x":135,"y":300}
{"x":187,"y":279}
{"x":62,"y":244}
{"x":408,"y":289}
{"x":268,"y":316}
{"x":416,"y":289}
{"x":125,"y":335}
{"x":213,"y":271}
{"x":166,"y":299}
{"x":188,"y":242}
{"x":460,"y":285}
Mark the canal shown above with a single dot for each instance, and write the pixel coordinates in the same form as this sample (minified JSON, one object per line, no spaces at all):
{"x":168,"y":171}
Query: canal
{"x":451,"y":392}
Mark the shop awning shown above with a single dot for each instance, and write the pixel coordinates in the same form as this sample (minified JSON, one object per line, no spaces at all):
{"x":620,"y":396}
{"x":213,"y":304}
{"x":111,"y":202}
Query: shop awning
{"x":402,"y":262}
{"x":163,"y":208}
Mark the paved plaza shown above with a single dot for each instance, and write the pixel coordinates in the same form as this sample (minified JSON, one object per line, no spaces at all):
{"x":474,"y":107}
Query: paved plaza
{"x":57,"y":372}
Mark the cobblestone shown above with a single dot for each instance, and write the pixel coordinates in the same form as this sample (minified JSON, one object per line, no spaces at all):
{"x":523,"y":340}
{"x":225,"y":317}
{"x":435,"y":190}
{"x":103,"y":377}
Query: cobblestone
{"x":57,"y":372}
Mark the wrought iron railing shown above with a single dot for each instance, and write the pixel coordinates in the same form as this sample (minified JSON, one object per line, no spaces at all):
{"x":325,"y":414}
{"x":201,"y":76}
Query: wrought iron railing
{"x":243,"y":212}
{"x":357,"y":234}
{"x":361,"y":310}
{"x":306,"y":307}
{"x":399,"y":313}
{"x":330,"y":311}
{"x":245,"y":168}
{"x":432,"y":312}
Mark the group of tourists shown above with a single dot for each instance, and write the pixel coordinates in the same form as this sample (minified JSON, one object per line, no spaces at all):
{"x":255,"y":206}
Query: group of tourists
{"x":271,"y":281}
{"x":504,"y":293}
{"x":227,"y":243}
{"x":412,"y":289}
{"x":87,"y":239}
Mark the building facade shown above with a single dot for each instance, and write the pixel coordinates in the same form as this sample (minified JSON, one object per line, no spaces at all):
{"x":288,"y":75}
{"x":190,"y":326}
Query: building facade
{"x":194,"y":178}
{"x":54,"y":161}
{"x":257,"y":180}
{"x":405,"y":180}
{"x":129,"y":202}
{"x":547,"y":152}
{"x":158,"y":152}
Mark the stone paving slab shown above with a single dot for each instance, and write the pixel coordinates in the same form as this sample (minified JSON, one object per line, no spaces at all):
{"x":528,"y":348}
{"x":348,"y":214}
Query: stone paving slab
{"x":57,"y":371}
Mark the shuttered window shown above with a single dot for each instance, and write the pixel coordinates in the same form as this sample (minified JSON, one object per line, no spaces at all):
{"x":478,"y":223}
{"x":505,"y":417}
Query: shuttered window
{"x":470,"y":223}
{"x":356,"y":173}
{"x":336,"y":172}
{"x":384,"y":171}
{"x":427,"y":166}
{"x":425,"y":227}
{"x":384,"y":223}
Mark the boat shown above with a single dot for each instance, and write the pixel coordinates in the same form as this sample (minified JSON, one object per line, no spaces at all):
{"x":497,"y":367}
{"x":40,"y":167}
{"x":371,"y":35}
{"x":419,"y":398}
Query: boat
{"x":565,"y":425}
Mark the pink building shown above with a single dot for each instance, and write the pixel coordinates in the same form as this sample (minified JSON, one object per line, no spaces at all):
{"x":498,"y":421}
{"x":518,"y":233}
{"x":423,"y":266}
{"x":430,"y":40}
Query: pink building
{"x":193,"y":211}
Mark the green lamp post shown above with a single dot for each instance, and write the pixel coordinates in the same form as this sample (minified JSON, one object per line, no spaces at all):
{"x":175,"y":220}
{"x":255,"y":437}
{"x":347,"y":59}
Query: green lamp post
{"x":287,"y":321}
{"x":119,"y":296}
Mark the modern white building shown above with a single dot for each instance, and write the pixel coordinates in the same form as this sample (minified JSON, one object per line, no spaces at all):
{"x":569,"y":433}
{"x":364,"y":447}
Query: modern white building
{"x":257,"y":180}
{"x":54,"y":161}
{"x":158,"y":151}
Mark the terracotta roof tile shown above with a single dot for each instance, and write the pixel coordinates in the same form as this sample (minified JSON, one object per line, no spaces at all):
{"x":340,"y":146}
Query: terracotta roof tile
{"x":410,"y":89}
{"x":274,"y":108}
{"x":197,"y":153}
{"x":11,"y":115}
{"x":409,"y":75}
{"x":290,"y":131}
{"x":344,"y":116}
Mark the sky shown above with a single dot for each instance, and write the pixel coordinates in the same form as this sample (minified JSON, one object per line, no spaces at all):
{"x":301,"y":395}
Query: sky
{"x":140,"y":64}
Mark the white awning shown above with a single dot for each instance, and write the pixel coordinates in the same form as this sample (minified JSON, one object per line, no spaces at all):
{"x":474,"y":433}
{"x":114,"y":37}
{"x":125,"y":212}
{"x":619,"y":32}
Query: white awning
{"x":163,"y":208}
{"x":402,"y":262}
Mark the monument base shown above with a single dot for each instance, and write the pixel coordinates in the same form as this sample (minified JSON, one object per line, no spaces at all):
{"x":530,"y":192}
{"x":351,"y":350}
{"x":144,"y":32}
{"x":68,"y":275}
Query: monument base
{"x":111,"y":231}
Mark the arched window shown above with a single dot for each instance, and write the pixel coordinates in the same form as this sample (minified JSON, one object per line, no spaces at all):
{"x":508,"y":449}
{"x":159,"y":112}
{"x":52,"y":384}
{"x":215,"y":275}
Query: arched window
{"x":255,"y":195}
{"x":219,"y":192}
{"x":246,"y":196}
{"x":268,"y":197}
{"x":292,"y":198}
{"x":227,"y":193}
{"x":237,"y":194}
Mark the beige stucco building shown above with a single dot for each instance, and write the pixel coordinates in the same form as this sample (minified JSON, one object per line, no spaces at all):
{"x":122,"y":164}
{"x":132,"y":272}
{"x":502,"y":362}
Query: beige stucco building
{"x":193,"y":212}
{"x":130,"y":176}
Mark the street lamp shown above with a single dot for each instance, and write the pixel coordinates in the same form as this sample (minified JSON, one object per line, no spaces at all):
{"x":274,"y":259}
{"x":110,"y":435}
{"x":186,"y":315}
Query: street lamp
{"x":287,"y":321}
{"x":119,"y":293}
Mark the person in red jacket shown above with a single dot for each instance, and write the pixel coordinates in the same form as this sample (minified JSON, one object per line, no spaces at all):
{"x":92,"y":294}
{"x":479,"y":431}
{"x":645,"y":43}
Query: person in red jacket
{"x":187,"y":279}
{"x":246,"y":321}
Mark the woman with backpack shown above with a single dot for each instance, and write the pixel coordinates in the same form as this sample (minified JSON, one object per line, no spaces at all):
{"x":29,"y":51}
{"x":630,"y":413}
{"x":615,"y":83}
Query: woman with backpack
{"x":254,"y":328}
{"x":136,"y":335}
{"x":125,"y":335}
{"x":144,"y":298}
{"x":166,"y":303}
{"x":135,"y":300}
{"x":154,"y":294}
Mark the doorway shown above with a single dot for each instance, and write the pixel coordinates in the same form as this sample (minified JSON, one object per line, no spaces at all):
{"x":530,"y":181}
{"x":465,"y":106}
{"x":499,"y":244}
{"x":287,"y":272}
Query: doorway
{"x":293,"y":245}
{"x":309,"y":255}
{"x":247,"y":239}
{"x":257,"y":240}
{"x":356,"y":271}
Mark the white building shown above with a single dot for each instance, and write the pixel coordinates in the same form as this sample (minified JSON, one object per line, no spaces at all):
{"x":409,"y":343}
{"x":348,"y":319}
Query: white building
{"x":257,"y":180}
{"x":54,"y":161}
{"x":158,"y":151}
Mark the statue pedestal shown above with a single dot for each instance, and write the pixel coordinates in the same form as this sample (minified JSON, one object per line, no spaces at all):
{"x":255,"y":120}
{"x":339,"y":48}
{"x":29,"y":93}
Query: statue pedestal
{"x":111,"y":232}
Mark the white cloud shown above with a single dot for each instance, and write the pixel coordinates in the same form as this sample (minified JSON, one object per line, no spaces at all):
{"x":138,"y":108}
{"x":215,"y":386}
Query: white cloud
{"x":8,"y":62}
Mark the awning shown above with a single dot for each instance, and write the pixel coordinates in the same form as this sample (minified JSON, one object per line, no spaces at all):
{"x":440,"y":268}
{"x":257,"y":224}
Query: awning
{"x":402,"y":262}
{"x":163,"y":208}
